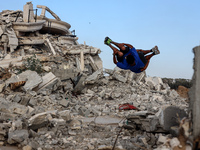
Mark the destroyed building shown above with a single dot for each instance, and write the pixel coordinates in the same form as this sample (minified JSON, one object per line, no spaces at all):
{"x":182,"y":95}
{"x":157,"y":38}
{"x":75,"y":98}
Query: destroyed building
{"x":55,"y":94}
{"x":25,"y":33}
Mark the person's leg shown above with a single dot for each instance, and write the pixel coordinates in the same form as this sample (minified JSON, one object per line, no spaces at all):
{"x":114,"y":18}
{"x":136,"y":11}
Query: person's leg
{"x":116,"y":51}
{"x":108,"y":42}
{"x":144,"y":51}
{"x":119,"y":45}
{"x":154,"y":50}
{"x":148,"y":57}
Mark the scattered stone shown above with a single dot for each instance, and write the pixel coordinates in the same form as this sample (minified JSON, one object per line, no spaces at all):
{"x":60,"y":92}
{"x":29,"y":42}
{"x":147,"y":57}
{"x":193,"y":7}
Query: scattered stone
{"x":17,"y":136}
{"x":169,"y":116}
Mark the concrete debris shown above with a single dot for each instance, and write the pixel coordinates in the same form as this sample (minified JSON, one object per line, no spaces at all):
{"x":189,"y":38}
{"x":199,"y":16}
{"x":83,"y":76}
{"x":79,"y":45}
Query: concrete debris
{"x":64,"y":99}
{"x":31,"y":77}
{"x":94,"y":77}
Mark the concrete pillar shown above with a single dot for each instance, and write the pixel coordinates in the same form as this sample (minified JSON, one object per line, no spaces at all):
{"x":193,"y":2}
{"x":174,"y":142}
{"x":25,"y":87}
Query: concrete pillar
{"x":28,"y":13}
{"x":194,"y":94}
{"x":82,"y":61}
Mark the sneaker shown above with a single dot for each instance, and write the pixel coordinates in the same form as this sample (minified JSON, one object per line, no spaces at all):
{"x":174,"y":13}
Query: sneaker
{"x":107,"y":41}
{"x":155,"y":50}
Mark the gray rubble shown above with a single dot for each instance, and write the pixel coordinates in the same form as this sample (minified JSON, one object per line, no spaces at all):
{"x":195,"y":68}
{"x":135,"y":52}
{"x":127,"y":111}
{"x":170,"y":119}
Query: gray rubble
{"x":59,"y":117}
{"x":55,"y":94}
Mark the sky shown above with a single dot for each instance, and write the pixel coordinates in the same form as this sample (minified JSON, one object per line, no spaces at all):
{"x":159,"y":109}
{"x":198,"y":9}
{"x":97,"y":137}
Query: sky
{"x":172,"y":25}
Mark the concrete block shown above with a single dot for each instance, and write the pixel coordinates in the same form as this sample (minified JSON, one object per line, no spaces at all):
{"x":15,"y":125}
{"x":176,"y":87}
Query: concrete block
{"x":80,"y":84}
{"x":27,"y":147}
{"x":140,"y":77}
{"x":174,"y":142}
{"x":154,"y":82}
{"x":162,"y":139}
{"x":157,"y":80}
{"x":17,"y":98}
{"x":65,"y":74}
{"x":17,"y":136}
{"x":173,"y":93}
{"x":20,"y":111}
{"x":119,"y":77}
{"x":168,"y":116}
{"x":33,"y":102}
{"x":8,"y":61}
{"x":75,"y":124}
{"x":39,"y":120}
{"x":109,"y":71}
{"x":48,"y":81}
{"x":94,"y":77}
{"x":65,"y":114}
{"x":64,"y":102}
{"x":31,"y":77}
{"x":57,"y":122}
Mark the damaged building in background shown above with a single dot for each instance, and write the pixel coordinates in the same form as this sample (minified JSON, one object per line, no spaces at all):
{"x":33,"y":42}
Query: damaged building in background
{"x":24,"y":33}
{"x":54,"y":94}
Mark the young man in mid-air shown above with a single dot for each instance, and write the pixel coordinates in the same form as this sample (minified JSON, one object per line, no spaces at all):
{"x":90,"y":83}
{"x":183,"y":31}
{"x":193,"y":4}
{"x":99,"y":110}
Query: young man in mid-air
{"x":129,"y":58}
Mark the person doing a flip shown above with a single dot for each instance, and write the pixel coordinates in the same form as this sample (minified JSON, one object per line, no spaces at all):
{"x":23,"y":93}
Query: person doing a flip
{"x":128,"y":58}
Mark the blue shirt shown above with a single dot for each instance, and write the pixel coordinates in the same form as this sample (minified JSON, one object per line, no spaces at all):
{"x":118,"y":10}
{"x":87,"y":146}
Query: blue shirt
{"x":138,"y":62}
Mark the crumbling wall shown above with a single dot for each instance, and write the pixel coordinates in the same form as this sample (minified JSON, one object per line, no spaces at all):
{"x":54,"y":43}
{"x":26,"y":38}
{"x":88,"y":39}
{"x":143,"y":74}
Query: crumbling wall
{"x":195,"y":95}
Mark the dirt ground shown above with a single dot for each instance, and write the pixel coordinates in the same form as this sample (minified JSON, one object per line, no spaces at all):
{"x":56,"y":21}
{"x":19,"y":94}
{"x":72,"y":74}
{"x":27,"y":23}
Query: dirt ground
{"x":183,"y":91}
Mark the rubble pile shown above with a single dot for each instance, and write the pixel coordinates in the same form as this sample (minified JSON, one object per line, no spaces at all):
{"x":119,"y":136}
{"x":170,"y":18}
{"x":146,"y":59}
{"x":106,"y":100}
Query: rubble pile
{"x":53,"y":117}
{"x":55,"y":94}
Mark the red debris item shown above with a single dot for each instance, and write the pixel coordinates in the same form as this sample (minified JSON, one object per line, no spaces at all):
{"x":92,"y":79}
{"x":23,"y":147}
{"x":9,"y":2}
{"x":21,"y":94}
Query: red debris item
{"x":127,"y":106}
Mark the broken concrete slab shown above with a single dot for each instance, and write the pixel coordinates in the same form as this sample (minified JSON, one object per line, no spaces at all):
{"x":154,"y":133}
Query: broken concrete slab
{"x":7,"y":61}
{"x":17,"y":136}
{"x":39,"y":120}
{"x":80,"y":84}
{"x":64,"y":74}
{"x":64,"y":102}
{"x":49,"y":81}
{"x":31,"y":77}
{"x":93,"y":51}
{"x":119,"y":77}
{"x":65,"y":114}
{"x":169,"y":116}
{"x":94,"y":77}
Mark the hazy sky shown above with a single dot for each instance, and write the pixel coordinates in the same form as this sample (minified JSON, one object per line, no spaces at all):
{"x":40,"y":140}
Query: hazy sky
{"x":172,"y":25}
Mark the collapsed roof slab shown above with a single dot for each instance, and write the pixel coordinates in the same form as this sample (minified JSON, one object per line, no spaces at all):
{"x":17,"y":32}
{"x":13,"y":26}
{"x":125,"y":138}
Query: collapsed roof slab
{"x":55,"y":27}
{"x":31,"y":40}
{"x":28,"y":27}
